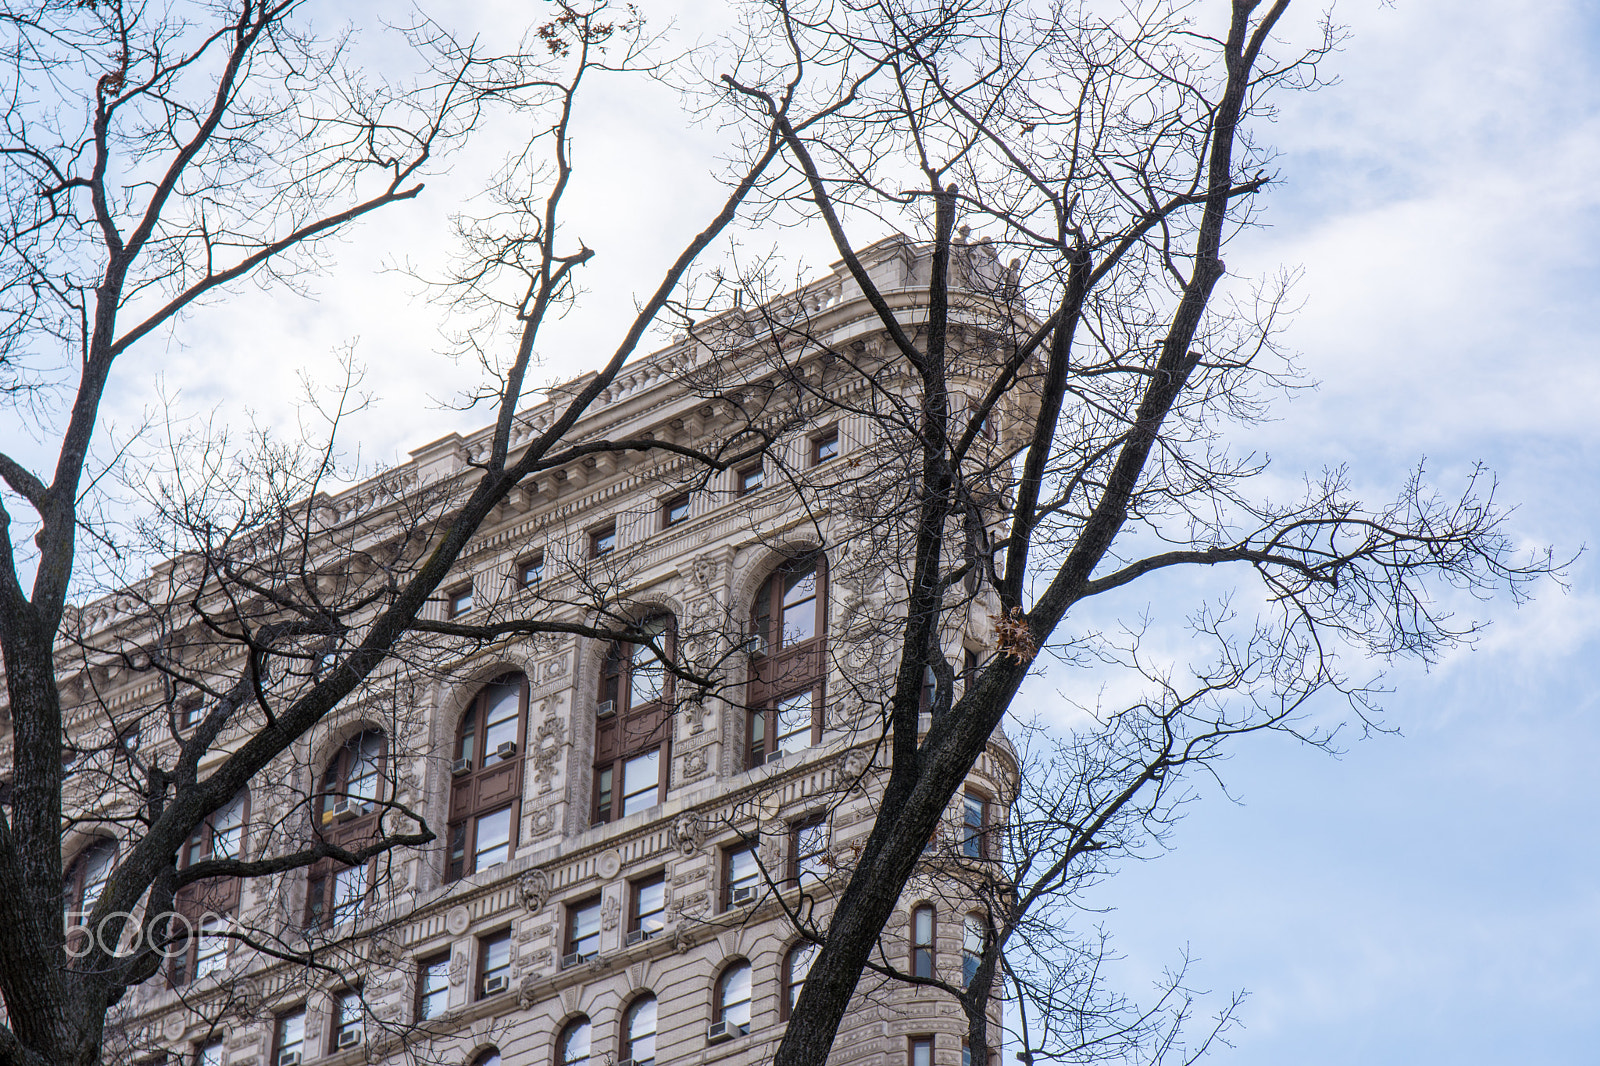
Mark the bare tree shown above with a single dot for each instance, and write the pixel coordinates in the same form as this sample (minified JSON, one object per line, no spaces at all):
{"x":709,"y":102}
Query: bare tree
{"x":1053,"y":407}
{"x":155,"y":156}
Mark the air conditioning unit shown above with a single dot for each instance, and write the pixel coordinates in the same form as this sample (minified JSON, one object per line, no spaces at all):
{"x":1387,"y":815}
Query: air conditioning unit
{"x":495,"y":985}
{"x":627,"y":1062}
{"x":776,"y":756}
{"x":346,"y":810}
{"x":460,"y":766}
{"x":506,"y":750}
{"x":717,"y":1032}
{"x":569,"y":961}
{"x":605,"y":708}
{"x":743,"y":894}
{"x":640,"y":935}
{"x":350,"y":1038}
{"x":289,"y":1058}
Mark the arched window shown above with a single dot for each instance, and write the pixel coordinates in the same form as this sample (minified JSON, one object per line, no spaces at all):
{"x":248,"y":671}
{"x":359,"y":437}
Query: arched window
{"x":796,"y":966}
{"x":572,"y":1047}
{"x":733,"y":999}
{"x":787,"y":624}
{"x":346,"y":813}
{"x":639,"y":1032}
{"x":633,"y":725}
{"x":87,"y":877}
{"x":922,"y":935}
{"x":974,"y":936}
{"x":491,"y":1057}
{"x":209,"y":906}
{"x":486,"y":777}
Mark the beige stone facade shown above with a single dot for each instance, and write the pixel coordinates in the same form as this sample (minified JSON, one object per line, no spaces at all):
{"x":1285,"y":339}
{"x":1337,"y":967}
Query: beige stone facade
{"x":667,"y":921}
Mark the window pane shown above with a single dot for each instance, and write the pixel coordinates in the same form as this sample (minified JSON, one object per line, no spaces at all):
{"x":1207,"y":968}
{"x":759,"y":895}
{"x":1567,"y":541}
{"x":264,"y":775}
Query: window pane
{"x":292,"y":1031}
{"x":800,"y":960}
{"x":651,"y":904}
{"x":575,"y":1044}
{"x":586,"y":929}
{"x":494,"y":839}
{"x":811,"y":847}
{"x":364,"y":766}
{"x":641,"y":782}
{"x":349,"y":889}
{"x":799,"y":607}
{"x":922,"y":1052}
{"x":228,"y":830}
{"x":209,"y":1055}
{"x":97,"y":871}
{"x":642,"y":1031}
{"x":795,"y":716}
{"x":504,"y":701}
{"x":211,"y":950}
{"x":735,"y":1006}
{"x":435,"y":987}
{"x":649,"y":677}
{"x":743,"y":871}
{"x":972,"y":827}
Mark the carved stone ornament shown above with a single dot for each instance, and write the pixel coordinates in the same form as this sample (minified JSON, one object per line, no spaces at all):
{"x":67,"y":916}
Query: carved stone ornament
{"x":688,"y":833}
{"x":534,"y":888}
{"x":555,"y":668}
{"x":544,"y":822}
{"x":694,"y":712}
{"x":852,"y":766}
{"x":173,"y":1028}
{"x":704,"y":570}
{"x":610,"y":913}
{"x":694,"y":764}
{"x":608,"y":864}
{"x":457,"y":920}
{"x":458,"y":968}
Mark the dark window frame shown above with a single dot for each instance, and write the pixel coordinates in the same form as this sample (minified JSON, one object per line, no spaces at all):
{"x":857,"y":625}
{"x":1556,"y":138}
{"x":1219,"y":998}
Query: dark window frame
{"x":797,"y":829}
{"x":632,"y":729}
{"x":975,"y":840}
{"x":214,"y":895}
{"x":569,"y":927}
{"x":339,"y":1024}
{"x":820,"y":443}
{"x":924,"y":955}
{"x":780,"y":670}
{"x":459,"y":600}
{"x":530,"y":565}
{"x":720,"y":1003}
{"x":749,"y":480}
{"x":322,"y":877}
{"x":486,"y":788}
{"x":424,"y":965}
{"x":728,"y":881}
{"x":564,"y":1036}
{"x":278,"y":1021}
{"x":485,"y":943}
{"x":76,"y":881}
{"x":626,"y":1036}
{"x":603,"y":540}
{"x":636,"y":889}
{"x":671,"y":505}
{"x":913,"y":1043}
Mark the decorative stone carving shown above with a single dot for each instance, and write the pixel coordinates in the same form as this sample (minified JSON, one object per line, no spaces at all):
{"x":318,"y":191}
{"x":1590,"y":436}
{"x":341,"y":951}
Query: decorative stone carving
{"x":458,"y":968}
{"x":610,"y":913}
{"x":704,"y":570}
{"x":548,"y":741}
{"x":694,"y":712}
{"x":851,"y":766}
{"x":457,"y":920}
{"x":693,"y":905}
{"x":555,"y":668}
{"x":608,"y":864}
{"x":688,"y":833}
{"x":534,"y":888}
{"x":384,"y":948}
{"x":694,"y":764}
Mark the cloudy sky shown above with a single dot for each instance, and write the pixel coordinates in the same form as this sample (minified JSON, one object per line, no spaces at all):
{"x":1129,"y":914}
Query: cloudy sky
{"x":1429,"y":897}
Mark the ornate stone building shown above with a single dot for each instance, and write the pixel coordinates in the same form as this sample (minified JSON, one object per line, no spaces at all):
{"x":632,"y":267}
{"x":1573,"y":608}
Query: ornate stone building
{"x":622,"y":854}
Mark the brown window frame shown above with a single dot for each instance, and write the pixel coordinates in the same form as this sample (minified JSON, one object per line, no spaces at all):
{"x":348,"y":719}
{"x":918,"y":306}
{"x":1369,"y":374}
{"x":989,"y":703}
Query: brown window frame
{"x":670,"y":505}
{"x":786,"y":991}
{"x":719,"y":1009}
{"x":601,"y":535}
{"x":632,"y":729}
{"x":981,"y":837}
{"x":358,"y":831}
{"x":569,"y":928}
{"x":278,"y":1021}
{"x":75,"y":882}
{"x":530,"y":565}
{"x":214,"y":895}
{"x":485,"y":788}
{"x":198,"y":1056}
{"x":636,"y":889}
{"x":781,"y":671}
{"x":626,"y":1035}
{"x":485,"y":942}
{"x":822,"y":440}
{"x":564,"y":1037}
{"x":727,"y":871}
{"x":919,"y":1041}
{"x":743,"y":485}
{"x":920,"y":951}
{"x":338,"y":1024}
{"x":424,"y":964}
{"x":796,"y":829}
{"x":459,"y":601}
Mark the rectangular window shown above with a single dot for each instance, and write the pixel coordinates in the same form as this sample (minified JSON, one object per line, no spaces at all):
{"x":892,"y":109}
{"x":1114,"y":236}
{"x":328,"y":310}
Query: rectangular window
{"x":787,"y":726}
{"x":603,"y":541}
{"x":750,"y":479}
{"x":603,"y":795}
{"x":972,"y":941}
{"x":824,"y":446}
{"x":211,"y":948}
{"x":289,"y":1039}
{"x":649,"y":907}
{"x":808,"y":849}
{"x":458,"y":601}
{"x":922,"y":941}
{"x":741,"y":877}
{"x":530,"y":571}
{"x":920,"y":1052}
{"x":641,"y":782}
{"x":208,"y":1054}
{"x":583,"y":932}
{"x":493,"y":839}
{"x":433,"y":986}
{"x":674,"y":509}
{"x":975,"y":826}
{"x":494,"y":963}
{"x":192,"y":715}
{"x":349,"y":892}
{"x":348,"y":1026}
